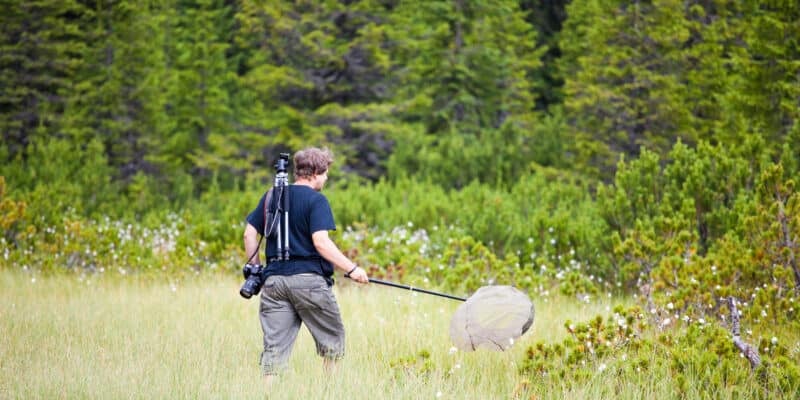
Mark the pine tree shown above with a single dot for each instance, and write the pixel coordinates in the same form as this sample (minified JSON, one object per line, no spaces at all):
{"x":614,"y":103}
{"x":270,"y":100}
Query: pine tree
{"x":625,"y":85}
{"x":197,"y":88}
{"x":117,"y":97}
{"x":762,"y":99}
{"x":647,"y":74}
{"x":464,"y":68}
{"x":314,"y":73}
{"x":41,"y":44}
{"x":547,"y":16}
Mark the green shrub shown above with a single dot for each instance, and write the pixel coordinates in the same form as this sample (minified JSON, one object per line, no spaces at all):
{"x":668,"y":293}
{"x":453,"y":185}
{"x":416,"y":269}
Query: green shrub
{"x":12,"y":215}
{"x":547,"y":218}
{"x":695,"y":358}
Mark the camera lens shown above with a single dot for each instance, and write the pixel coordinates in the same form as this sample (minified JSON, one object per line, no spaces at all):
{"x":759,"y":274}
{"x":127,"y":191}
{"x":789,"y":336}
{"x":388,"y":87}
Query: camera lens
{"x":248,"y":288}
{"x":252,"y":284}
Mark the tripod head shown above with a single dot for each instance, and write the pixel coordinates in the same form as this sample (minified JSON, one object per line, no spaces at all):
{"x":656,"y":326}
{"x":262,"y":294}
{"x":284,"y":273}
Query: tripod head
{"x":281,"y":167}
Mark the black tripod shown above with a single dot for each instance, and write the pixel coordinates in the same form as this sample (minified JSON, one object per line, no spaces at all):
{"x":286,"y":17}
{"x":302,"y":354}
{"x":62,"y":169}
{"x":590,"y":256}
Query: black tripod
{"x":277,"y":221}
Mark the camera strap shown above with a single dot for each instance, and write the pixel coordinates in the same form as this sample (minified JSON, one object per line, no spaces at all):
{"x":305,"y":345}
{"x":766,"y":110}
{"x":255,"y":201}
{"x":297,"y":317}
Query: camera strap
{"x":267,"y":199}
{"x":267,"y":214}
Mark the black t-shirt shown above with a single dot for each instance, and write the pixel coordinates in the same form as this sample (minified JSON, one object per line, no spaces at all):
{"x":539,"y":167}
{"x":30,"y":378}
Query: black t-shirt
{"x":309,"y":212}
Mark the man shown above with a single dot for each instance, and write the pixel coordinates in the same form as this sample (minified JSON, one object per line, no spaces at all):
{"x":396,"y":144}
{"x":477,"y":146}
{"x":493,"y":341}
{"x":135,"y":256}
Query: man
{"x":299,"y":290}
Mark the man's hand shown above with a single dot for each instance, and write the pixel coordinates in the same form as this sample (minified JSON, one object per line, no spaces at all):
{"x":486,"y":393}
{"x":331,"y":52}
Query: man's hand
{"x":359,"y":275}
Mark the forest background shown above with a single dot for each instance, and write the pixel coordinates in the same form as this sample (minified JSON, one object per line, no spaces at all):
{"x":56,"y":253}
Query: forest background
{"x":644,"y":148}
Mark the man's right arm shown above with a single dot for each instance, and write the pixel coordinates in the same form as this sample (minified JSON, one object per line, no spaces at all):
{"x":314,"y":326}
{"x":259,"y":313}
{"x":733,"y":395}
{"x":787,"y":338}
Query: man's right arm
{"x":328,"y":250}
{"x":251,"y":245}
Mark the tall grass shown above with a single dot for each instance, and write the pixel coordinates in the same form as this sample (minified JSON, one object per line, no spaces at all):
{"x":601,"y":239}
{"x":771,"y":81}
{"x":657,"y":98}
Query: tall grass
{"x":108,"y":338}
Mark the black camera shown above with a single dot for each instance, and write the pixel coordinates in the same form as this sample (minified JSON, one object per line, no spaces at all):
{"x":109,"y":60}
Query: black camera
{"x":283,"y":163}
{"x":253,"y":281}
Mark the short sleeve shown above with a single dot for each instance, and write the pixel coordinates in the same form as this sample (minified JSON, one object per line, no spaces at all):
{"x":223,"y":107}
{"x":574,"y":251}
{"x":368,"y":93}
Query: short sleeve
{"x":321,"y":217}
{"x":256,"y":217}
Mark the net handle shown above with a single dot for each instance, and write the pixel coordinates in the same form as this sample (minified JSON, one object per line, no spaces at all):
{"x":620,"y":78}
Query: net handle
{"x":413,"y":289}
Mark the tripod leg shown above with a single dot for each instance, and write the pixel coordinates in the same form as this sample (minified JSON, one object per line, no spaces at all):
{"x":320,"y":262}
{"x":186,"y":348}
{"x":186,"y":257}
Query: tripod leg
{"x":286,"y":205}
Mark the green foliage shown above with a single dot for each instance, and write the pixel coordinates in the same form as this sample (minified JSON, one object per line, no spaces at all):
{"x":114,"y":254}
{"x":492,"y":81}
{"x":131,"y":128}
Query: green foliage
{"x":444,"y":91}
{"x":137,"y":136}
{"x":118,"y":96}
{"x":67,"y":178}
{"x":440,"y":259}
{"x":764,"y":84}
{"x":200,"y":86}
{"x":683,"y":207}
{"x":699,"y":359}
{"x":466,"y":90}
{"x":76,"y":246}
{"x":419,"y":364}
{"x":314,"y":73}
{"x":650,"y":74}
{"x":547,"y":218}
{"x":703,"y":228}
{"x":591,"y":345}
{"x":12,"y":214}
{"x":41,"y":48}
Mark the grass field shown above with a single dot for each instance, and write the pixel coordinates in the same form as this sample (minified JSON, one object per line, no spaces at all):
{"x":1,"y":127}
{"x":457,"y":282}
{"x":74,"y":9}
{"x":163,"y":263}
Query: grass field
{"x":113,"y":339}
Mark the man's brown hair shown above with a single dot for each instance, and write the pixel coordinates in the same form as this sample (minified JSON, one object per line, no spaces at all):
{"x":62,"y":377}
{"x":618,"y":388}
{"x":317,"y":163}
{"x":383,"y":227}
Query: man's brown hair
{"x":312,"y":161}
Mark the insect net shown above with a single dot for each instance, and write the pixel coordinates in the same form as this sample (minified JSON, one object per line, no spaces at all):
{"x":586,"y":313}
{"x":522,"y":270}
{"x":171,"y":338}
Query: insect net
{"x":492,"y":318}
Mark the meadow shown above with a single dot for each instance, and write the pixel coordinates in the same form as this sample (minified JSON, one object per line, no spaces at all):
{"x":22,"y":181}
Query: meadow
{"x":111,"y":338}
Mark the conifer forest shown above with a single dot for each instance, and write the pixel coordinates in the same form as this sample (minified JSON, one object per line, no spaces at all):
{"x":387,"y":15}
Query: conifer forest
{"x":648,"y":149}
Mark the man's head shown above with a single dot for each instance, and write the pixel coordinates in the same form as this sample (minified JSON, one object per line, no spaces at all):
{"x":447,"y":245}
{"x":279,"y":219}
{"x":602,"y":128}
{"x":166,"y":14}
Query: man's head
{"x":312,"y":164}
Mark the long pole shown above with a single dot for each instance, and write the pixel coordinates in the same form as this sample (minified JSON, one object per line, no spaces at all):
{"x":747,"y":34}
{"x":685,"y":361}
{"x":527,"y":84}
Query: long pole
{"x":413,"y":289}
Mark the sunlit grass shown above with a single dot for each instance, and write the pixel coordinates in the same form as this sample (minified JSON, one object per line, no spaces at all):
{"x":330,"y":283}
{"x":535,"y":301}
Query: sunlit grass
{"x":65,"y":338}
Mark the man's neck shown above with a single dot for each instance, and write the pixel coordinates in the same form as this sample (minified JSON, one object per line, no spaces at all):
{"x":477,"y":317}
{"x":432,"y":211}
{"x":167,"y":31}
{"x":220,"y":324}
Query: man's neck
{"x":304,"y":182}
